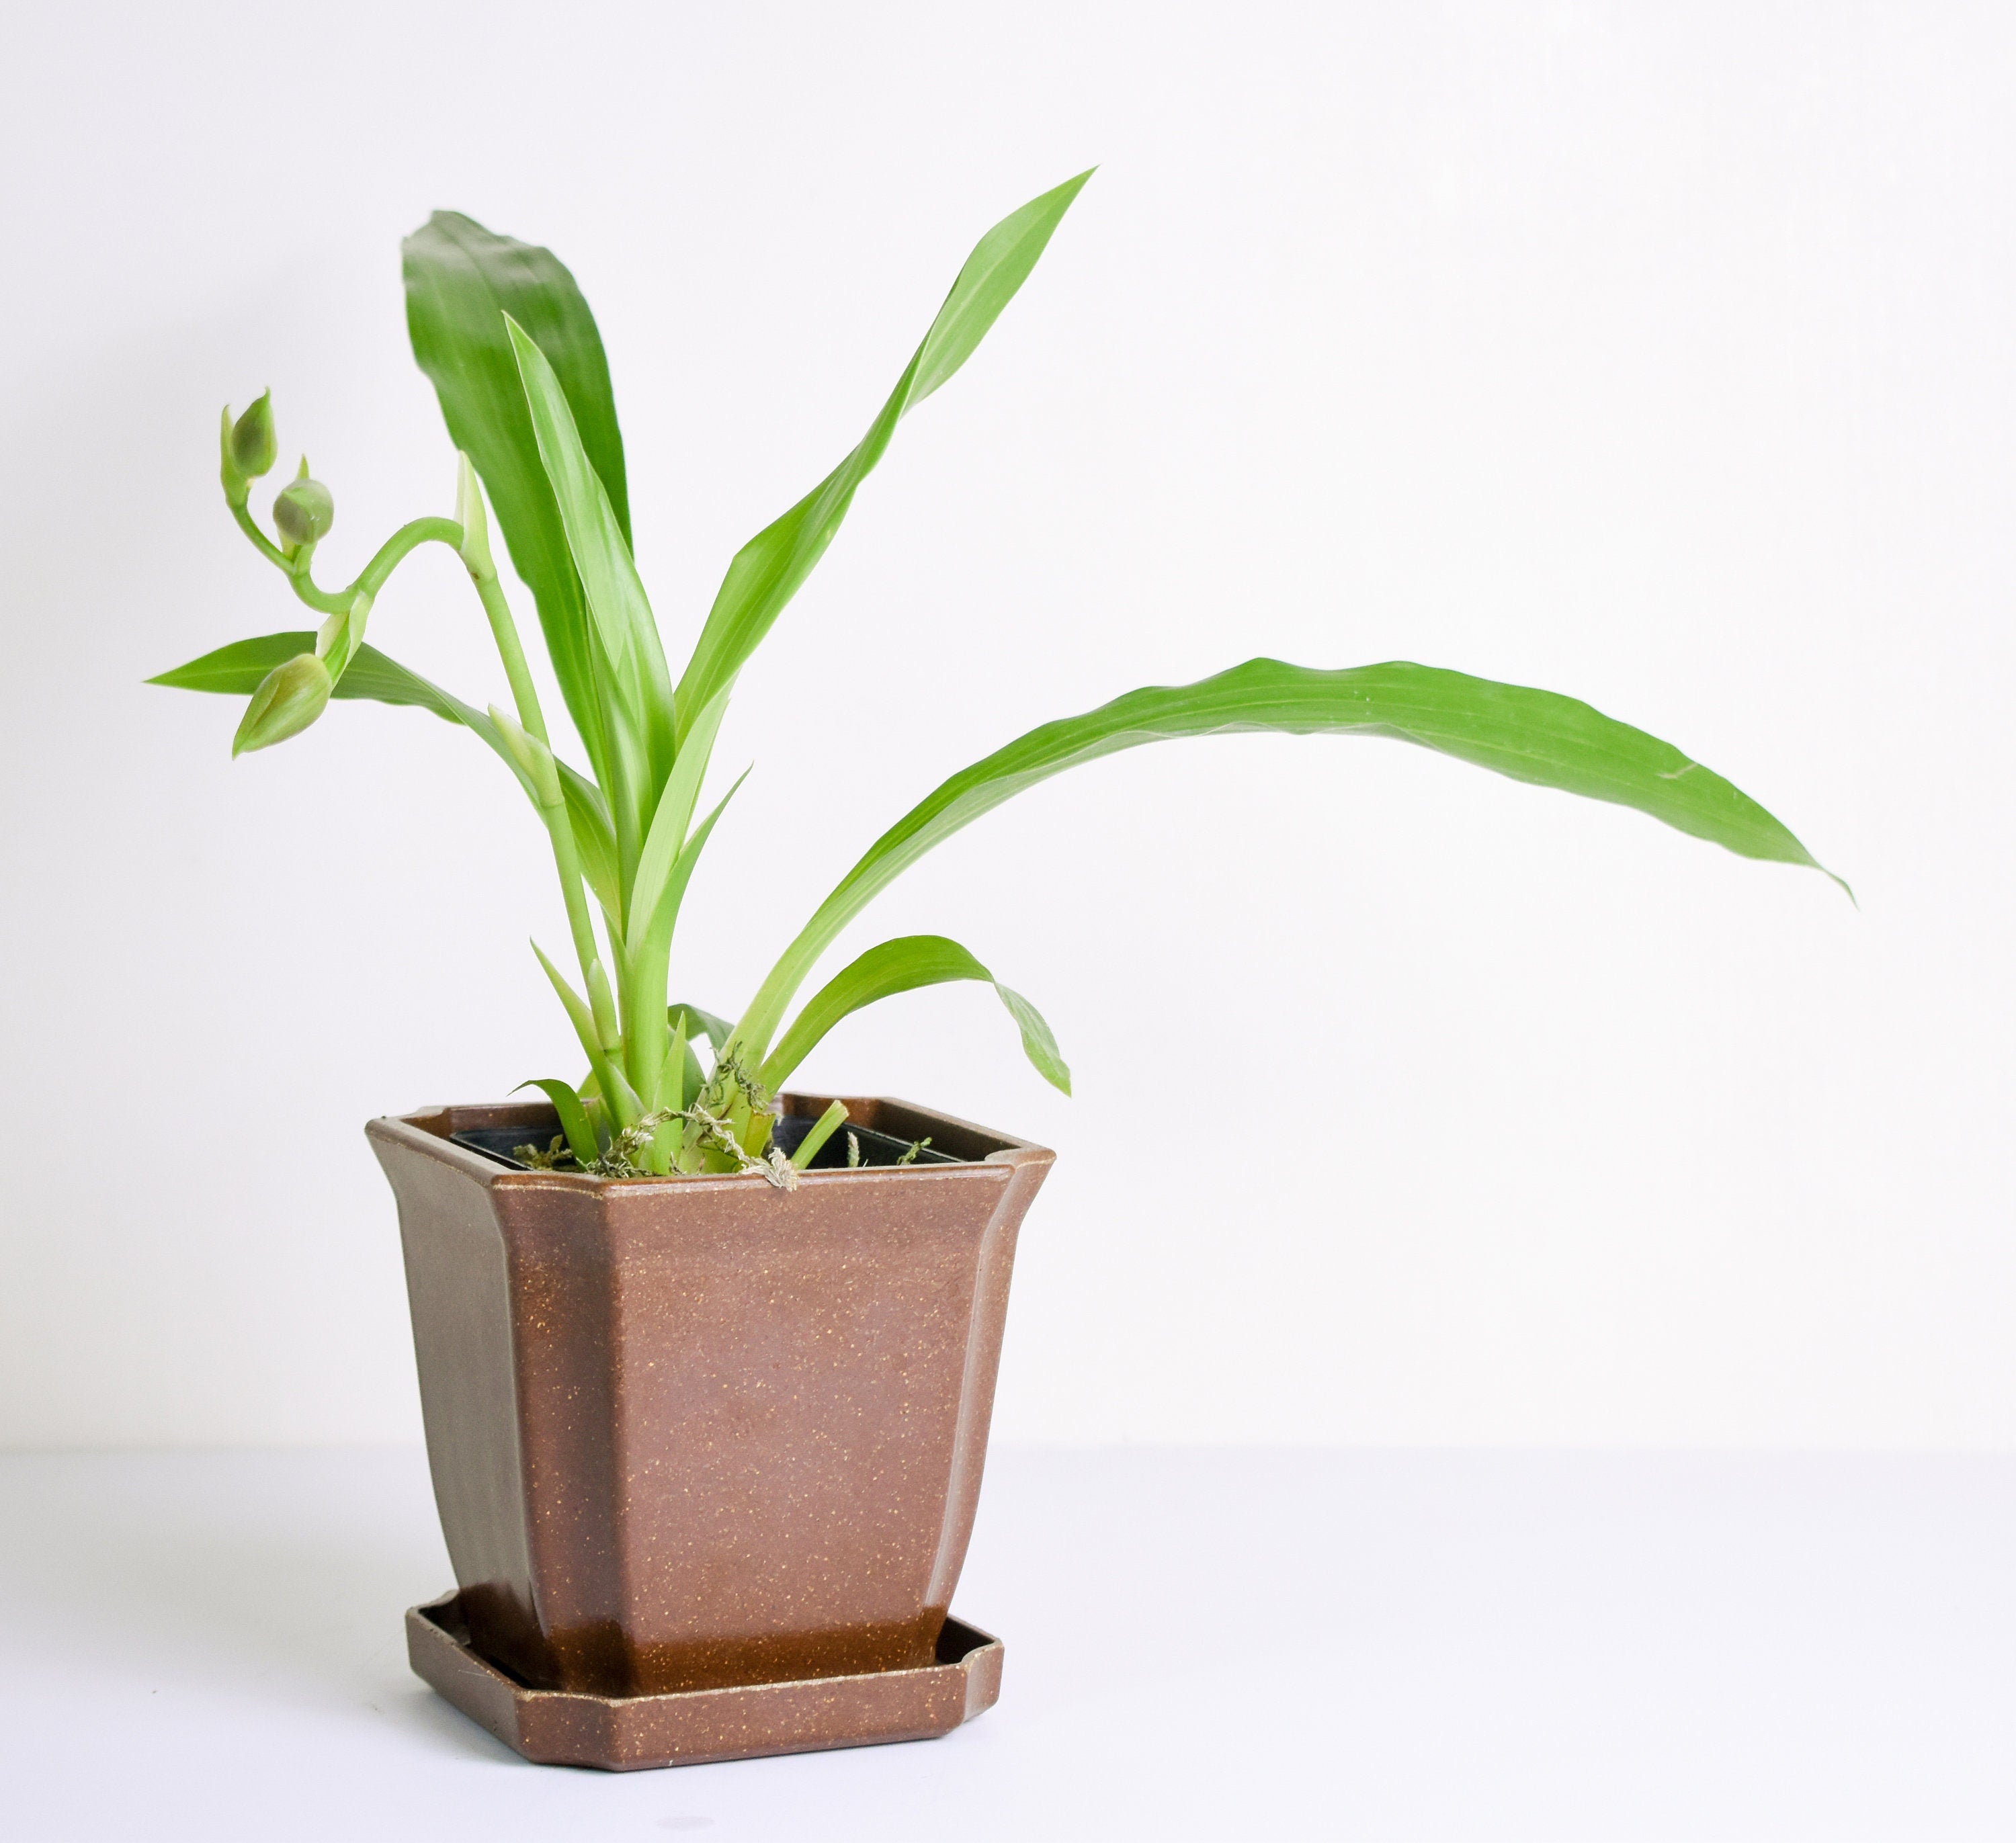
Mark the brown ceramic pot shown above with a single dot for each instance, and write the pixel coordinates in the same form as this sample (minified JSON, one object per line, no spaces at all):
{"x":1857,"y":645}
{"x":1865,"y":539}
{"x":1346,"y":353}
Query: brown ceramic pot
{"x":692,"y":1433}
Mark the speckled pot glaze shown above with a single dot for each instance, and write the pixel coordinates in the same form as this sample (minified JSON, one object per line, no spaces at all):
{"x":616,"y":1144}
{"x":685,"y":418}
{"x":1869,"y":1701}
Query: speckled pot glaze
{"x":691,"y":1433}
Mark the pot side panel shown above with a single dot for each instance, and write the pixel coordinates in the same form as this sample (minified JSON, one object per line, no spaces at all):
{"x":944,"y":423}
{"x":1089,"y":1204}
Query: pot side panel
{"x":458,"y":1290}
{"x":792,"y":1372}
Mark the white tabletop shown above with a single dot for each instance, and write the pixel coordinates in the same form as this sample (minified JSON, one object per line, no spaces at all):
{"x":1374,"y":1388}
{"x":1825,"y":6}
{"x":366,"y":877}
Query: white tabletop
{"x":1253,"y":1644}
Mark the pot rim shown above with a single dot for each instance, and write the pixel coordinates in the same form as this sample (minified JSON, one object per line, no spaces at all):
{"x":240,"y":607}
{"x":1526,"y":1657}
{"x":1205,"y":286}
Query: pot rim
{"x":427,"y":1130}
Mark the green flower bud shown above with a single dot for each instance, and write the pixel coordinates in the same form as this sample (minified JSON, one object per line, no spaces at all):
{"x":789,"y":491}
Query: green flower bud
{"x":237,"y":488}
{"x":289,"y":699}
{"x":304,"y":511}
{"x":254,"y":447}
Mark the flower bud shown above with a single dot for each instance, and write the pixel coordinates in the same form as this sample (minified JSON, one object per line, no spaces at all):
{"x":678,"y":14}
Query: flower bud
{"x":237,"y":488}
{"x":469,"y":514}
{"x":304,"y":511}
{"x":254,"y":448}
{"x":289,"y":699}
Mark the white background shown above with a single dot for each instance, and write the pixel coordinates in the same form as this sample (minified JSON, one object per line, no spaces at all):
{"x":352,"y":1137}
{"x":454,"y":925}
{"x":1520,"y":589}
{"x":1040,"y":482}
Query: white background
{"x":1660,"y":355}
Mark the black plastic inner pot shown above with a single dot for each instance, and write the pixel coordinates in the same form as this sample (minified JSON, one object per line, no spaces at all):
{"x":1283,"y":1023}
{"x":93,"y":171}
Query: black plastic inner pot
{"x":501,"y":1143}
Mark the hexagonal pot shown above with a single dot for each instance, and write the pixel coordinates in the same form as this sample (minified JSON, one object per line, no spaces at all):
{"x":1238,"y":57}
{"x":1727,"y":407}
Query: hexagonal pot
{"x":688,"y":1433}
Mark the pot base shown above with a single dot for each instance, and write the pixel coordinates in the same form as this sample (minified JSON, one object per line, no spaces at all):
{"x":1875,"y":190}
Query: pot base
{"x":623,"y":1733}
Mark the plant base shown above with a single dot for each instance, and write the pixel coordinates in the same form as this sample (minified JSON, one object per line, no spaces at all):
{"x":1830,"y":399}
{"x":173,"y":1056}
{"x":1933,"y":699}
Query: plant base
{"x":623,"y":1733}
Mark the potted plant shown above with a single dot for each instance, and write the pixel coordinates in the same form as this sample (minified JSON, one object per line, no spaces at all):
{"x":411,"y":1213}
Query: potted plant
{"x":706,"y":1365}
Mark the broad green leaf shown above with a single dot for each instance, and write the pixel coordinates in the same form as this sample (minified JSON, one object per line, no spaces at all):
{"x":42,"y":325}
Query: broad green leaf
{"x":1533,"y":735}
{"x":902,"y":965}
{"x":235,"y":671}
{"x":460,"y":280}
{"x":596,"y":541}
{"x":238,"y":668}
{"x":573,"y":1116}
{"x":767,"y":571}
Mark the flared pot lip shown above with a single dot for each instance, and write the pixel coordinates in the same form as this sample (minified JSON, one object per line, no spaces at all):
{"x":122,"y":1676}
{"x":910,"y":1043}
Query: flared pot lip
{"x":427,"y":1130}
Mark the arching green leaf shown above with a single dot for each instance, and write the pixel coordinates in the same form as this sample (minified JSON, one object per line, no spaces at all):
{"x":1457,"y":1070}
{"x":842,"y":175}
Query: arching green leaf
{"x":1529,"y":735}
{"x":767,"y":571}
{"x":903,"y":965}
{"x":573,"y":1116}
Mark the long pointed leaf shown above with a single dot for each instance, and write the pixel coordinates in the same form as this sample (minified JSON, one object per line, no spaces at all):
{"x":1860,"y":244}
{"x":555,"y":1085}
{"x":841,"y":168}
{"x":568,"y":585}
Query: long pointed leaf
{"x":609,"y":1084}
{"x":616,"y":603}
{"x":678,"y":1099}
{"x":594,"y":841}
{"x":237,"y":670}
{"x":903,"y":965}
{"x":650,"y":956}
{"x":704,"y":1023}
{"x":767,"y":571}
{"x":669,"y":825}
{"x":1533,"y":735}
{"x":460,"y":280}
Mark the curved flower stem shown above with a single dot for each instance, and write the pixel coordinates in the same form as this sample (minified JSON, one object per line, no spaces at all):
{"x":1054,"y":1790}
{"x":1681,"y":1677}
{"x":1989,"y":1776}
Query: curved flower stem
{"x":265,"y":544}
{"x":375,"y":574}
{"x":397,"y":548}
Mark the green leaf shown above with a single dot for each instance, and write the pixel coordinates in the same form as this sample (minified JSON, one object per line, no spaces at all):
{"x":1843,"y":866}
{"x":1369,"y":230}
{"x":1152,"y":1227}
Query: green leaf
{"x":597,"y":540}
{"x":667,"y":837}
{"x":461,"y":281}
{"x":702,"y":1024}
{"x":767,"y":571}
{"x":235,"y":671}
{"x":649,"y":957}
{"x":594,"y":841}
{"x":677,"y":1100}
{"x":238,"y":669}
{"x":616,"y":1094}
{"x":818,"y":1133}
{"x":573,"y":1116}
{"x":902,"y":965}
{"x":1533,"y":735}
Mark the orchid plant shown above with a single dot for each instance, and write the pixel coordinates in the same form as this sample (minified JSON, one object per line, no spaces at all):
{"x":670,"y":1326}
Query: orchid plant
{"x":503,"y":332}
